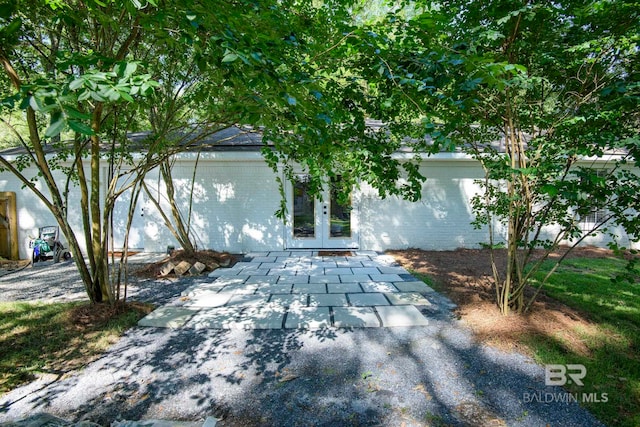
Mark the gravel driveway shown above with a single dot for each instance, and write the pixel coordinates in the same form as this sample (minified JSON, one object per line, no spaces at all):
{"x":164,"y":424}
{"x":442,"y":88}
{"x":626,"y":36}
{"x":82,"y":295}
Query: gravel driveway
{"x":433,"y":375}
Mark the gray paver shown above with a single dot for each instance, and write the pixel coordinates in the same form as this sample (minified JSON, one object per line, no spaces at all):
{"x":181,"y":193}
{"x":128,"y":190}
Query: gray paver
{"x":309,"y":288}
{"x":203,"y":288}
{"x":351,"y":278}
{"x":293,"y":279}
{"x":247,"y":300}
{"x":413,"y":287}
{"x":240,"y":289}
{"x":324,"y":279}
{"x":393,"y":270}
{"x":378,"y":287}
{"x":283,"y":288}
{"x":289,"y":300}
{"x":338,"y":271}
{"x":355,"y":317}
{"x":365,"y":270}
{"x":405,"y":298}
{"x":208,"y":300}
{"x":385,"y":277}
{"x":308,"y":318}
{"x":325,"y":300}
{"x":233,"y":280}
{"x":216,"y":318}
{"x":264,"y":259}
{"x":368,"y":299}
{"x":261,"y":280}
{"x":343,"y":288}
{"x":401,"y":315}
{"x":168,"y":317}
{"x":264,"y":317}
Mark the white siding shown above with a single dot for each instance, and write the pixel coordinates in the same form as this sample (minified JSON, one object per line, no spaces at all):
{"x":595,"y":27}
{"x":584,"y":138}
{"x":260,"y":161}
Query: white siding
{"x":233,"y":206}
{"x":236,"y":195}
{"x":32,"y":212}
{"x":440,"y":221}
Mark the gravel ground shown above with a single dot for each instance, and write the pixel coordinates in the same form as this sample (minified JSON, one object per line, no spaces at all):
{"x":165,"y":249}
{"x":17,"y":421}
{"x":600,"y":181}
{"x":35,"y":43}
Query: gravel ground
{"x":434,"y":375}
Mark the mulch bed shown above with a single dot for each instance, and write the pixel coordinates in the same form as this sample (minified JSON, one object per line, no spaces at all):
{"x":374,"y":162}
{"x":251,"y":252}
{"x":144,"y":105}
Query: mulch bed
{"x":464,"y":275}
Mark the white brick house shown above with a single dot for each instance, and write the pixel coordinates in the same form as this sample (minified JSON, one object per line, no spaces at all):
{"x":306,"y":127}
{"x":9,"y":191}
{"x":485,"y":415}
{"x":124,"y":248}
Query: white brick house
{"x":235,"y":196}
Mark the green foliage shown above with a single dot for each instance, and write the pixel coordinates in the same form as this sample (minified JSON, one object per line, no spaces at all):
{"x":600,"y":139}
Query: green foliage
{"x":39,"y":338}
{"x":535,"y":108}
{"x":612,"y":361}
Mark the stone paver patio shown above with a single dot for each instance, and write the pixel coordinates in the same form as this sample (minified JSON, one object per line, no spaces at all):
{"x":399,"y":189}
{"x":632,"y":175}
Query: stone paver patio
{"x":300,"y":289}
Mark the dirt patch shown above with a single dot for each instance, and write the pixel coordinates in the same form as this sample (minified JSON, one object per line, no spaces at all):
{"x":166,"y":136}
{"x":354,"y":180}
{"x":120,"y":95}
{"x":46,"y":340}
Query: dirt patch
{"x":335,"y":253}
{"x":211,"y":259}
{"x":464,"y":275}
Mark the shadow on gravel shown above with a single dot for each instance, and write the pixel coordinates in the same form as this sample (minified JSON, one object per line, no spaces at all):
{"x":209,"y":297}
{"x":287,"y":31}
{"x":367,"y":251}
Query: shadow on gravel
{"x":388,"y":376}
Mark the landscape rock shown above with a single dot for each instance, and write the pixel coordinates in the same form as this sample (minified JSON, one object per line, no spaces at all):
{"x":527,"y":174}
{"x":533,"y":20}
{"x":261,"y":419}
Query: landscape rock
{"x":181,"y":268}
{"x":167,"y":268}
{"x":197,"y":268}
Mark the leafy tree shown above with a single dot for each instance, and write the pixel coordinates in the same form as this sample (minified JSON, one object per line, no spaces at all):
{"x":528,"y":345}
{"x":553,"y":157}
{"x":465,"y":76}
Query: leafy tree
{"x":86,"y":73}
{"x":536,"y":92}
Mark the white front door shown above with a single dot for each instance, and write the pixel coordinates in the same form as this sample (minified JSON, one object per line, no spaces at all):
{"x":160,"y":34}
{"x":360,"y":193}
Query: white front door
{"x":320,"y":223}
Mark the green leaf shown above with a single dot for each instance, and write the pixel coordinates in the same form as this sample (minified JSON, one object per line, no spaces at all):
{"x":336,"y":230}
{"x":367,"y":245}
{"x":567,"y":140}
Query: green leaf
{"x":76,"y":84}
{"x":75,"y":114}
{"x":549,"y":189}
{"x":229,"y":57}
{"x":80,"y":127}
{"x":56,"y":126}
{"x":125,"y":95}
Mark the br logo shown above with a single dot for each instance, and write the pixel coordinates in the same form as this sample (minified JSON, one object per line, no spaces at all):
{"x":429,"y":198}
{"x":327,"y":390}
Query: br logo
{"x":557,"y":374}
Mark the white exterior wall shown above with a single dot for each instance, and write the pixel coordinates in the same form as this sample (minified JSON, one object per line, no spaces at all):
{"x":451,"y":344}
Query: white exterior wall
{"x":233,"y":208}
{"x":32,"y":212}
{"x":236,"y":195}
{"x":440,"y":221}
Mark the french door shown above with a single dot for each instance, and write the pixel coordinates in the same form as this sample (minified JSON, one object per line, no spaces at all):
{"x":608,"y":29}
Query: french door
{"x":320,"y":222}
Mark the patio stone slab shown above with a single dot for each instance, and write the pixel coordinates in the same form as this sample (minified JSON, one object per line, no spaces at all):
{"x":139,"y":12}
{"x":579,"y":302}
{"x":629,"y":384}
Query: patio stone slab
{"x":224,"y":281}
{"x":385,"y":277}
{"x":216,"y":318}
{"x":282,"y":288}
{"x":365,"y":270}
{"x":240,"y":289}
{"x":343,"y":288}
{"x":326,"y":300}
{"x":338,"y":271}
{"x":355,"y":317}
{"x":247,"y":300}
{"x":289,"y":300}
{"x":168,"y":317}
{"x":328,"y":278}
{"x":413,"y":287}
{"x":293,"y":279}
{"x":378,"y":287}
{"x":367,"y":299}
{"x":308,"y":318}
{"x":264,"y":317}
{"x":406,"y":298}
{"x":401,"y":315}
{"x":261,"y":280}
{"x":354,"y":278}
{"x":309,"y":288}
{"x":393,"y":270}
{"x":208,"y":300}
{"x":203,"y":288}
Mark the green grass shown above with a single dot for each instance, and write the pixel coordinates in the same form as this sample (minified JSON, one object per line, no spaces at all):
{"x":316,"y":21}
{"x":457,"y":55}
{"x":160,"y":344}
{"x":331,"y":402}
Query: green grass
{"x":613,"y":357}
{"x":610,"y":348}
{"x":37,"y":338}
